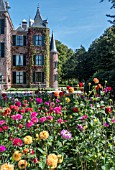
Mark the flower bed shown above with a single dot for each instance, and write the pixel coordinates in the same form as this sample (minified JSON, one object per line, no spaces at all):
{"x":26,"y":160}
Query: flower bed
{"x":59,"y":131}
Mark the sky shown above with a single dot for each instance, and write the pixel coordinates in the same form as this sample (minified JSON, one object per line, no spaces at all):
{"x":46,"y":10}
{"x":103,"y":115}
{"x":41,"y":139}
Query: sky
{"x":74,"y":22}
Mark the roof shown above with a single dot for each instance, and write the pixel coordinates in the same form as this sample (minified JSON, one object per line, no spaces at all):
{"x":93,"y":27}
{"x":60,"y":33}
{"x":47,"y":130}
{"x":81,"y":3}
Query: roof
{"x":38,"y":22}
{"x":19,"y":28}
{"x":53,"y":48}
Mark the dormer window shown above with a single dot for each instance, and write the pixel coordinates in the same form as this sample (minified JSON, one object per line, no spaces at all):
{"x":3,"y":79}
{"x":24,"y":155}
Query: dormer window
{"x":2,"y":24}
{"x":38,"y":40}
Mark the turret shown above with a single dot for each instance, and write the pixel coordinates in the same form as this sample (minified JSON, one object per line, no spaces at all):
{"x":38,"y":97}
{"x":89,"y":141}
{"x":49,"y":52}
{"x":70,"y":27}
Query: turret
{"x":53,"y":64}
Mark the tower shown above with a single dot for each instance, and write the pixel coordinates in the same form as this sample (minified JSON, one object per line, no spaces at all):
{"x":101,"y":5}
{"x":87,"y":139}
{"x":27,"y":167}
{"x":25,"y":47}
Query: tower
{"x":6,"y":28}
{"x":53,"y":64}
{"x":38,"y":50}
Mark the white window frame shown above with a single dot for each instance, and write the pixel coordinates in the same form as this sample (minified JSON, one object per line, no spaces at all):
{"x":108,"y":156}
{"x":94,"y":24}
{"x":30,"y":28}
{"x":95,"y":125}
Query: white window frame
{"x":19,"y":77}
{"x":38,"y":40}
{"x":19,"y":60}
{"x":19,"y":40}
{"x":39,"y":60}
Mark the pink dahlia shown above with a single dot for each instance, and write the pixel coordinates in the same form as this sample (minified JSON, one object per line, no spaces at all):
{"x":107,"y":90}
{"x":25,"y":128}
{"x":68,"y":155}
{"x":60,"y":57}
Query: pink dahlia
{"x":29,"y":124}
{"x":2,"y":122}
{"x":17,"y":142}
{"x":2,"y":148}
{"x":42,"y":119}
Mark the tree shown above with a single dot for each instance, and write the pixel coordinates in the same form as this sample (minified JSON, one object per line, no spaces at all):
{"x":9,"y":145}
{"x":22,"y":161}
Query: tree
{"x":65,"y":54}
{"x":111,"y":16}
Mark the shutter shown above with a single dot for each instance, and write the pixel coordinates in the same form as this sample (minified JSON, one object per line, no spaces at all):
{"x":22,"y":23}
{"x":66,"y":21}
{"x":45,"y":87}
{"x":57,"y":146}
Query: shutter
{"x":24,"y":77}
{"x":13,"y":77}
{"x":24,"y":40}
{"x":2,"y":24}
{"x":42,"y":40}
{"x":24,"y":60}
{"x":14,"y":60}
{"x":14,"y":40}
{"x":34,"y":39}
{"x":42,"y":60}
{"x":42,"y":77}
{"x":34,"y":77}
{"x":2,"y":50}
{"x":34,"y":58}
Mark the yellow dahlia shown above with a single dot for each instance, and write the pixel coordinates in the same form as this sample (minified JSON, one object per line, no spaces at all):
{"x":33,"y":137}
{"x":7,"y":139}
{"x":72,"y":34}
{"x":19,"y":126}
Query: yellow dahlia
{"x":7,"y":166}
{"x":17,"y":155}
{"x":22,"y":164}
{"x":52,"y":160}
{"x":44,"y":134}
{"x":27,"y":140}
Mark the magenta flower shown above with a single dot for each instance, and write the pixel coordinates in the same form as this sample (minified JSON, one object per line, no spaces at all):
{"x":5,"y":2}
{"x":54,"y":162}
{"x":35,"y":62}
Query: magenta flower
{"x":38,"y":100}
{"x":106,"y":124}
{"x":49,"y":118}
{"x":57,"y":100}
{"x":43,"y":119}
{"x":18,"y":103}
{"x":2,"y":122}
{"x":66,"y":134}
{"x":33,"y":114}
{"x":80,"y":127}
{"x":29,"y":124}
{"x":34,"y":119}
{"x":84,"y":117}
{"x":13,"y":117}
{"x":47,"y":103}
{"x":57,"y":110}
{"x":18,"y":116}
{"x":5,"y":127}
{"x":2,"y":148}
{"x":17,"y":142}
{"x":1,"y":130}
{"x":52,"y":104}
{"x":113,"y":120}
{"x":60,"y":121}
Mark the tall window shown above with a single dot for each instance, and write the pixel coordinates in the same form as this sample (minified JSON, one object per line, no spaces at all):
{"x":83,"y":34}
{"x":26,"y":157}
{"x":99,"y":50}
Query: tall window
{"x":39,"y":77}
{"x":2,"y":50}
{"x":55,"y":64}
{"x":19,"y":60}
{"x":38,"y":40}
{"x":39,"y":60}
{"x":0,"y":77}
{"x":19,"y":77}
{"x":55,"y":77}
{"x":19,"y":40}
{"x":2,"y":24}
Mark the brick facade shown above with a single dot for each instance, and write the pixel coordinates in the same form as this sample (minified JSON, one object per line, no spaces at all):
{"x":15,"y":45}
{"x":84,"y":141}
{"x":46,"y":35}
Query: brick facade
{"x":28,"y":60}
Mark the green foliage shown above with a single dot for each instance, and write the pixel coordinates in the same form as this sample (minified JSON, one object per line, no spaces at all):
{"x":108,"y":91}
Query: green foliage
{"x":98,"y":61}
{"x":64,"y":55}
{"x":87,"y":141}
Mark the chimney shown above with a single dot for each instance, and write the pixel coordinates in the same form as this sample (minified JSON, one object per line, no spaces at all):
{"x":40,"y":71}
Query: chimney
{"x":24,"y":24}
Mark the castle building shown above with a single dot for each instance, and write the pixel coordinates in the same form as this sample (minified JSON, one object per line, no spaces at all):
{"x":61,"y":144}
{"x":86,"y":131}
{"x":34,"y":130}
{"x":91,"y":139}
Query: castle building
{"x":27,"y":56}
